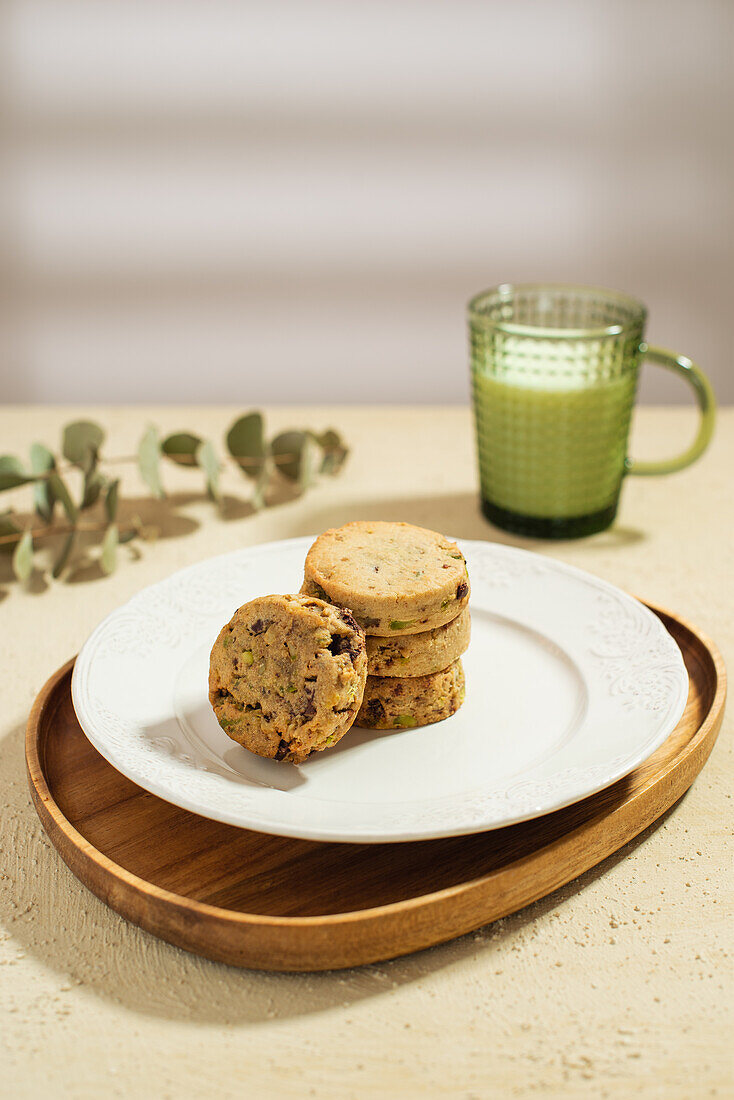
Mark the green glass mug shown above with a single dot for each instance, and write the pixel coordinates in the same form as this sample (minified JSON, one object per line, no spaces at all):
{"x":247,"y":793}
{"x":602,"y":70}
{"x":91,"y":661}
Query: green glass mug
{"x":554,"y":376}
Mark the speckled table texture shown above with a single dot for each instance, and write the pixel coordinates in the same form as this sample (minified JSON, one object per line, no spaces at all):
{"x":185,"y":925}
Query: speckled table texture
{"x":618,"y":985}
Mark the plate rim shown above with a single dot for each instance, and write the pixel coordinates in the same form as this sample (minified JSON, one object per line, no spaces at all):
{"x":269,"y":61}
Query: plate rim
{"x":414,"y":833}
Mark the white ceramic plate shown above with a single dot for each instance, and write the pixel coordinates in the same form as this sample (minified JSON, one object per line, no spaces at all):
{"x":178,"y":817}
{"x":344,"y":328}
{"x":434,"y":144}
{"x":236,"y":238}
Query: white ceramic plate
{"x":570,"y":684}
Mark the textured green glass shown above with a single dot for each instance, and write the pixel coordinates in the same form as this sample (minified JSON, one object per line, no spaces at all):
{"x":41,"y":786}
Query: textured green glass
{"x":554,"y":374}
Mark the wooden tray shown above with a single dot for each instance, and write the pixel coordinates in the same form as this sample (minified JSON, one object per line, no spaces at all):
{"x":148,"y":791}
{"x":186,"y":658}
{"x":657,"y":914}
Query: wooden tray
{"x":262,"y":901}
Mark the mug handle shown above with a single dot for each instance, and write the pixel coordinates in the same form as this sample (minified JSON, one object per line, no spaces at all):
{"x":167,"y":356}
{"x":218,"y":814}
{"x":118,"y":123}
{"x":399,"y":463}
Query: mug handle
{"x":706,"y":403}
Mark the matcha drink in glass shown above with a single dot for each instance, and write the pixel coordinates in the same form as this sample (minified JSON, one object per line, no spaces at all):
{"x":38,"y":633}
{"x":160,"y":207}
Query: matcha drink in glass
{"x":554,"y":374}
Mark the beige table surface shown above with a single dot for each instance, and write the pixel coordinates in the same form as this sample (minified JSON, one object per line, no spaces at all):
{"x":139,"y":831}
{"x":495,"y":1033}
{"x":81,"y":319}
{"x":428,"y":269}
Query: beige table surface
{"x":618,"y":985}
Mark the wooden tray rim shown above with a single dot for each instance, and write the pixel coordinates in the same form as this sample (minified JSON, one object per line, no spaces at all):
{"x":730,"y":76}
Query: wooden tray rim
{"x":56,"y":824}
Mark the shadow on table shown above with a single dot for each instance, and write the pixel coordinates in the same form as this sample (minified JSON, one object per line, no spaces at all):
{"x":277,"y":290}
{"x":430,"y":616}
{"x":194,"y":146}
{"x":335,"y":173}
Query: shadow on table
{"x":56,"y":920}
{"x":159,"y":519}
{"x":162,"y":519}
{"x":53,"y":918}
{"x":456,"y":514}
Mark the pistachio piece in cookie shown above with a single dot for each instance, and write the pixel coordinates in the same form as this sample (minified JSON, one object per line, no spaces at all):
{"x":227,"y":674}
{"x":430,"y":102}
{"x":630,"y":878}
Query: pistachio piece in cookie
{"x":393,"y":703}
{"x":419,"y":654}
{"x":396,"y":578}
{"x":286,"y":676}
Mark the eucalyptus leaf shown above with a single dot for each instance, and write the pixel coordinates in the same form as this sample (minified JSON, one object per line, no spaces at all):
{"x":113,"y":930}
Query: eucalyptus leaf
{"x":334,"y":450}
{"x":182,"y":447}
{"x":13,"y":473}
{"x":108,"y":557}
{"x":8,"y":527}
{"x":62,"y":494}
{"x":149,"y":455}
{"x":42,"y":461}
{"x":261,"y":487}
{"x":245,"y":441}
{"x":311,"y":457}
{"x":64,"y":554}
{"x":111,"y":499}
{"x":82,"y":439}
{"x":128,"y":536}
{"x":23,"y":557}
{"x":258,"y":496}
{"x":12,"y":464}
{"x":44,"y":500}
{"x":288,"y":447}
{"x":94,"y":483}
{"x":206,"y":458}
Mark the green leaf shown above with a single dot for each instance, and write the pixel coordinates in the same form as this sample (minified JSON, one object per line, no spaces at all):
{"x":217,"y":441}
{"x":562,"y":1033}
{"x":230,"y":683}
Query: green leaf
{"x":64,"y":554}
{"x":311,"y":457}
{"x":111,"y":499}
{"x":8,"y":527}
{"x":149,"y":455}
{"x":245,"y":441}
{"x":23,"y":557}
{"x":42,"y":461}
{"x":82,"y":439}
{"x":207,"y":459}
{"x":108,"y":557}
{"x":334,"y":450}
{"x":12,"y":464}
{"x":127,"y":536}
{"x":13,"y":473}
{"x":300,"y":456}
{"x":182,"y":448}
{"x":261,"y":487}
{"x":287,"y":450}
{"x":62,"y":494}
{"x":94,"y":483}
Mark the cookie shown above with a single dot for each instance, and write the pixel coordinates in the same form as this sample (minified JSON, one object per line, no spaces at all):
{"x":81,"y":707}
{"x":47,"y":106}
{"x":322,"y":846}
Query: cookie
{"x":419,"y":654}
{"x":286,"y":676}
{"x":397,"y":579}
{"x":400,"y":703}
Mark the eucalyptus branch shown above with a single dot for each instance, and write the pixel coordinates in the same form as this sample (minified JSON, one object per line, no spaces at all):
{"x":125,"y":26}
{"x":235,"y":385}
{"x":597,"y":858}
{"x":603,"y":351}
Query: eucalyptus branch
{"x":296,"y":455}
{"x":52,"y":530}
{"x":183,"y":458}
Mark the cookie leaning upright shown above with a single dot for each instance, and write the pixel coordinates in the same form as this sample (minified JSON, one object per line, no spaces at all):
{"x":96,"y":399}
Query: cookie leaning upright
{"x":286,"y":676}
{"x":396,"y":578}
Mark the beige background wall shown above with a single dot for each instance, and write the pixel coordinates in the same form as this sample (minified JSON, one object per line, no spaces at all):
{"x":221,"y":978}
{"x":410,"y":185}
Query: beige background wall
{"x":291,"y":202}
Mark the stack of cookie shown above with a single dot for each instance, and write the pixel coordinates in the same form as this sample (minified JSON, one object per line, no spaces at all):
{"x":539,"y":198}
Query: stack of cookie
{"x":374,"y":639}
{"x":408,"y":588}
